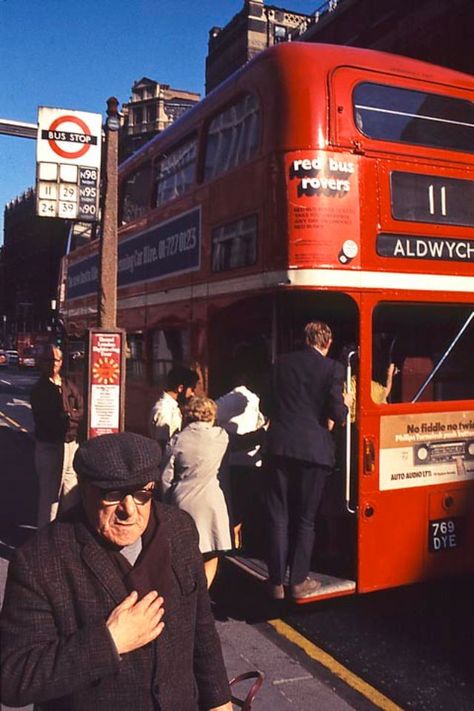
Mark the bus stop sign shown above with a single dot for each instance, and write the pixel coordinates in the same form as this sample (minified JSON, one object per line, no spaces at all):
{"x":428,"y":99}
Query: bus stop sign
{"x":68,"y":164}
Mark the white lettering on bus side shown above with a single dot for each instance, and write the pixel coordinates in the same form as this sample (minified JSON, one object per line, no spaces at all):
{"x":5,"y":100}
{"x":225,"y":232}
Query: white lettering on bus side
{"x":178,"y":243}
{"x":322,"y":175}
{"x":84,"y":277}
{"x":310,"y":186}
{"x":441,"y":249}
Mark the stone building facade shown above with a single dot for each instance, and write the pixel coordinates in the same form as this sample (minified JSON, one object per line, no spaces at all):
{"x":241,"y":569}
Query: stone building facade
{"x":152,"y":107}
{"x":256,"y":27}
{"x":437,"y":31}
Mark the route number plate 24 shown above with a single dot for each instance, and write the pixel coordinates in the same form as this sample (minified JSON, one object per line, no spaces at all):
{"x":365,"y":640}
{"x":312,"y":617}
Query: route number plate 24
{"x":445,"y":534}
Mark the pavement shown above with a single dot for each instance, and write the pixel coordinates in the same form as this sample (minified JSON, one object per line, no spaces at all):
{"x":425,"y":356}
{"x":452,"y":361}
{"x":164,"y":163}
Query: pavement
{"x":289,"y":685}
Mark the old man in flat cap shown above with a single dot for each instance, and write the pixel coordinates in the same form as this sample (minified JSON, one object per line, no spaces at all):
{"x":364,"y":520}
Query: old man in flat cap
{"x":107,"y":607}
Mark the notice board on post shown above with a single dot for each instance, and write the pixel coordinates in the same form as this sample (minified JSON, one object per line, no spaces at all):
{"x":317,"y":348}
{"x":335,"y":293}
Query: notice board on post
{"x":105,"y":381}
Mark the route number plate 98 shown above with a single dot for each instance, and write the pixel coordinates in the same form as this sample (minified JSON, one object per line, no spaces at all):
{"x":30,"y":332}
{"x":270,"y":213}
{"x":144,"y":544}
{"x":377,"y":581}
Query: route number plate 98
{"x":445,"y":534}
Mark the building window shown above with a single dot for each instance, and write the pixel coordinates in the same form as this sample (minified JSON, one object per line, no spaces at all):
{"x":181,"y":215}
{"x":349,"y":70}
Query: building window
{"x":235,"y":244}
{"x":174,"y":171}
{"x":138,"y":115}
{"x":390,"y":113}
{"x":232,"y":137}
{"x":279,"y":34}
{"x":135,"y":195}
{"x":151,"y":111}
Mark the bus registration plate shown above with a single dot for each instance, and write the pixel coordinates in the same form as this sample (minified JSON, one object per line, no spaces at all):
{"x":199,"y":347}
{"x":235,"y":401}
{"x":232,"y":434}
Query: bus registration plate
{"x":445,"y":534}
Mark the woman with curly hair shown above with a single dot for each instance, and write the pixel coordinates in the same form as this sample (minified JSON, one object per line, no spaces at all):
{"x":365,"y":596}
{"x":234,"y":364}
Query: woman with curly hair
{"x":194,"y":476}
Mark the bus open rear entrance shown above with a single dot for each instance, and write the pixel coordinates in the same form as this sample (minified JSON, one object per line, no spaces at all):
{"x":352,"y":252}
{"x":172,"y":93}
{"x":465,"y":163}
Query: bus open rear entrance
{"x":409,"y":511}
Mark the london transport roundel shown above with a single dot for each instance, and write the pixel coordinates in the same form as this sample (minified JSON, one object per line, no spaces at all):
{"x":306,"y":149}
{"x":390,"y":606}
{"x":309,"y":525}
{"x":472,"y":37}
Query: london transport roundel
{"x":61,"y":127}
{"x":69,"y":137}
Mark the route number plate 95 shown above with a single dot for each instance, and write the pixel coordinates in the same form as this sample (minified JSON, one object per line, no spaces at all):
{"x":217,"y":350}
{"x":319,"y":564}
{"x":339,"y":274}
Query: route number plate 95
{"x":445,"y":534}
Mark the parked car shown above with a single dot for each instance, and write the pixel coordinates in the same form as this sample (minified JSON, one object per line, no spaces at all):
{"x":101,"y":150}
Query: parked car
{"x":27,"y":358}
{"x":3,"y":359}
{"x":12,"y":357}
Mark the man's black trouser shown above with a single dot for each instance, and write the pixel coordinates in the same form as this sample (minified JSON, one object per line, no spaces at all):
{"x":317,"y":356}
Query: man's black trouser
{"x":293,"y":493}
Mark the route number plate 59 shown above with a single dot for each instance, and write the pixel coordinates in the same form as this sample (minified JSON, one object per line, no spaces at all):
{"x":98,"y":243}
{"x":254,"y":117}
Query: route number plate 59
{"x":445,"y":534}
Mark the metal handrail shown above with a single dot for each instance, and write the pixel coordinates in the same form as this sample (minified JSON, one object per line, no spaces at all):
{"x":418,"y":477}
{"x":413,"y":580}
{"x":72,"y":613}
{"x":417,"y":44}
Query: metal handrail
{"x":428,"y":380}
{"x":350,"y":355}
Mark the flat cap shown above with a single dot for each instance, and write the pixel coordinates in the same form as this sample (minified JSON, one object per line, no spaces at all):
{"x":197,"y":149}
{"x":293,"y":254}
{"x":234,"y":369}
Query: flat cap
{"x":113,"y":461}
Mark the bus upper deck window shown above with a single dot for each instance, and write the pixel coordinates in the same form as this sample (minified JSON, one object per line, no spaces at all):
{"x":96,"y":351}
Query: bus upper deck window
{"x":392,"y":113}
{"x":135,"y":195}
{"x":232,"y":137}
{"x":174,"y":171}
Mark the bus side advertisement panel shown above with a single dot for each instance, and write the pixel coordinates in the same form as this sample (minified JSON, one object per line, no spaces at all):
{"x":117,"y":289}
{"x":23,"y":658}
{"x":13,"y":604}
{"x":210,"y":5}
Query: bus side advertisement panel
{"x":323,"y":208}
{"x":170,"y":248}
{"x":167,"y":249}
{"x":426,"y":449}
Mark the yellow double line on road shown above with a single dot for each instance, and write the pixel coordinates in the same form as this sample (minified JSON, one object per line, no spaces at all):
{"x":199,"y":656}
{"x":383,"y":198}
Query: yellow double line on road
{"x":325,"y":659}
{"x":12,"y":422}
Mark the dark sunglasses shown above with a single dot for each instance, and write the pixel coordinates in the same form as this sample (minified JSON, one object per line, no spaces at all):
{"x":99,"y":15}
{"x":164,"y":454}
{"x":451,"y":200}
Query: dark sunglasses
{"x":116,"y":496}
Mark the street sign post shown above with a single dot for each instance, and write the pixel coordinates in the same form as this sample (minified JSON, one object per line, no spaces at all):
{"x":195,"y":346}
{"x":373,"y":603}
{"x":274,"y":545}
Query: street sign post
{"x":68,"y":156}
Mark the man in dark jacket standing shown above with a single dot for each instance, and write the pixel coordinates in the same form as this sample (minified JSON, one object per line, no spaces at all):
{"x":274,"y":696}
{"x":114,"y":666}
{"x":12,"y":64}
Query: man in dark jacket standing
{"x":58,"y":411}
{"x":107,"y":607}
{"x":307,"y":390}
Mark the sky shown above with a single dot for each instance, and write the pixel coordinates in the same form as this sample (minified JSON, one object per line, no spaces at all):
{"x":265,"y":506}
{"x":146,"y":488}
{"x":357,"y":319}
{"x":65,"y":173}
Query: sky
{"x":74,"y":55}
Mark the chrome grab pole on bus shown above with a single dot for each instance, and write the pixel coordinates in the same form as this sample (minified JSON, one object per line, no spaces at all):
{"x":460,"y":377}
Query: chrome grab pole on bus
{"x":443,"y":357}
{"x":350,"y":355}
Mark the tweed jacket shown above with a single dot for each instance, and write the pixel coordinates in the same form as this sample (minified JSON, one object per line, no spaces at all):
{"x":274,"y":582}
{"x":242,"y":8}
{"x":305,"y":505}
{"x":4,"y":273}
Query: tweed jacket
{"x":56,"y":650}
{"x":306,"y":392}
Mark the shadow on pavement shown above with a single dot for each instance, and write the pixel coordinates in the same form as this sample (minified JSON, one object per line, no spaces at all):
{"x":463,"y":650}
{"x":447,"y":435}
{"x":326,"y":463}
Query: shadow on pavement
{"x":238,"y":596}
{"x":18,"y":490}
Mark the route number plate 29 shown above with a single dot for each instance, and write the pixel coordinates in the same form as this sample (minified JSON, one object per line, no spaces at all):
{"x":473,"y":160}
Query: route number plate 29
{"x":445,"y":534}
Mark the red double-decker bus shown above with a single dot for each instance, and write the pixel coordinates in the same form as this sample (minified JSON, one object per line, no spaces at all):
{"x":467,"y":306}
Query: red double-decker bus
{"x":332,"y":183}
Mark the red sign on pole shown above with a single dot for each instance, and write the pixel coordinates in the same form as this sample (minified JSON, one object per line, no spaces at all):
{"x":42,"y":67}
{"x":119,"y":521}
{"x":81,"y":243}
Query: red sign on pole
{"x":106,"y":381}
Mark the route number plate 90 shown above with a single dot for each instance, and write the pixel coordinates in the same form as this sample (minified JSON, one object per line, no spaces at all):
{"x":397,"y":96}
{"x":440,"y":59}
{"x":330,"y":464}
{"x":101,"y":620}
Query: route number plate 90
{"x":445,"y":534}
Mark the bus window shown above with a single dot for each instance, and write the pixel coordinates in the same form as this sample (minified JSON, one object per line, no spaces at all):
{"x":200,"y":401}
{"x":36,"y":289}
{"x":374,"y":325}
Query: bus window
{"x":390,"y":113}
{"x":174,"y":171}
{"x":235,"y":244}
{"x":169,"y":346}
{"x":135,"y":195}
{"x":232,"y":137}
{"x":430,"y":345}
{"x":135,"y":353}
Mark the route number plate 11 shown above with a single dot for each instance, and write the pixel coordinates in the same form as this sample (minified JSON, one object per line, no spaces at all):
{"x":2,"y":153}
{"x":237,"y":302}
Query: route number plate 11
{"x":445,"y":534}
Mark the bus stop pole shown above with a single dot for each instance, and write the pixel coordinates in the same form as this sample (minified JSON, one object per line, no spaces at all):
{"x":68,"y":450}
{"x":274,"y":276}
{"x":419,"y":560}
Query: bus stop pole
{"x":107,"y":294}
{"x":106,"y":342}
